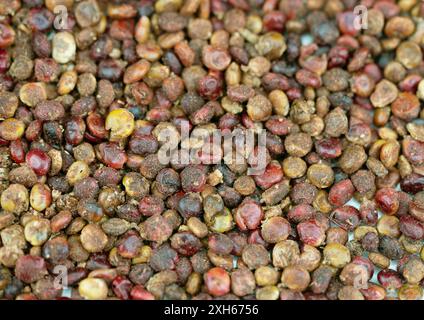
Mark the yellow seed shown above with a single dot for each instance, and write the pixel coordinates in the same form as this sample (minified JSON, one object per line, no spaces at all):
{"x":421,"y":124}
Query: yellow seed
{"x":8,"y":257}
{"x":388,"y":226}
{"x":77,"y":171}
{"x":193,"y":283}
{"x":233,"y":75}
{"x":336,"y":255}
{"x":12,"y":129}
{"x":220,"y":222}
{"x":37,"y":231}
{"x":361,"y":231}
{"x":40,"y":197}
{"x":135,"y":185}
{"x":121,"y":124}
{"x":15,"y":199}
{"x":197,"y":227}
{"x":93,"y":238}
{"x":379,"y":260}
{"x":144,"y":256}
{"x":410,"y":292}
{"x":389,"y":153}
{"x":101,"y":26}
{"x":267,"y":293}
{"x":254,"y":23}
{"x":67,"y":82}
{"x":93,"y":289}
{"x":280,"y":102}
{"x":51,"y":4}
{"x":142,"y":30}
{"x":266,"y":276}
{"x":410,"y":245}
{"x":33,"y":93}
{"x":321,"y":202}
{"x":168,"y":5}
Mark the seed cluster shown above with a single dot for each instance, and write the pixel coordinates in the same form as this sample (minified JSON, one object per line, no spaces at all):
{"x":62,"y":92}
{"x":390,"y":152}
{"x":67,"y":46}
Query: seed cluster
{"x":85,"y":100}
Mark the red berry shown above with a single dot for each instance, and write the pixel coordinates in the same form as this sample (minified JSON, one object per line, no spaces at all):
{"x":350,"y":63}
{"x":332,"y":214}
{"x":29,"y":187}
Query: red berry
{"x":217,"y":281}
{"x":210,"y":87}
{"x":346,"y":23}
{"x":4,"y":61}
{"x":273,"y":174}
{"x":387,"y":200}
{"x":346,"y":217}
{"x":17,"y":151}
{"x":112,"y":155}
{"x":411,"y":227}
{"x":329,"y":148}
{"x":248,"y":215}
{"x":74,"y":130}
{"x":274,"y":21}
{"x":121,"y":287}
{"x":40,"y":19}
{"x":151,"y":205}
{"x":7,"y":35}
{"x":30,"y":268}
{"x":389,"y":279}
{"x":139,"y":293}
{"x":311,"y":233}
{"x":38,"y":161}
{"x":341,"y":192}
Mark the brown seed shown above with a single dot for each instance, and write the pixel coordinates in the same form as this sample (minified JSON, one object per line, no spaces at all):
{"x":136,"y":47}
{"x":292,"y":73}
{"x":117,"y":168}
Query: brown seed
{"x":385,"y":93}
{"x":185,"y":53}
{"x":336,"y":79}
{"x":8,"y":104}
{"x":215,"y":58}
{"x":294,"y":167}
{"x":242,"y":282}
{"x":298,"y":144}
{"x":60,"y":221}
{"x":200,"y":29}
{"x":259,"y":108}
{"x":406,"y":106}
{"x":255,"y":256}
{"x":169,"y":40}
{"x":93,"y":239}
{"x":353,"y":158}
{"x":350,"y":293}
{"x":136,"y":71}
{"x":32,"y":93}
{"x":275,"y":229}
{"x":295,"y":278}
{"x":399,"y":27}
{"x":320,"y":175}
{"x":336,"y":123}
{"x":87,"y":13}
{"x":245,"y":185}
{"x":362,"y":85}
{"x":272,"y":45}
{"x":375,"y":22}
{"x":389,"y":154}
{"x":285,"y":253}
